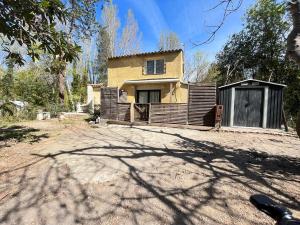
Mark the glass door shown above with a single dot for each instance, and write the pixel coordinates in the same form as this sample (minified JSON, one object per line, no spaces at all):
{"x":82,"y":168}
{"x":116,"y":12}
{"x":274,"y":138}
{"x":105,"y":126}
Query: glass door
{"x":142,"y":97}
{"x":148,"y":96}
{"x":154,"y":97}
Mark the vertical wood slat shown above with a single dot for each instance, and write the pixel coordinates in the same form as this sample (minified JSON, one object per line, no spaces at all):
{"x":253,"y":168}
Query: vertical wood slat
{"x":109,"y":101}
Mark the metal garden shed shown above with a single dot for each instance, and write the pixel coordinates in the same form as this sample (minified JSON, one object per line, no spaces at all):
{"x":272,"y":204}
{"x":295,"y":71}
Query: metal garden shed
{"x":252,"y":103}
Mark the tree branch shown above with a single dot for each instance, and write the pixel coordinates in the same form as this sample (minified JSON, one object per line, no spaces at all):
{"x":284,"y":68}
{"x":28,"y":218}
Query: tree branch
{"x":230,"y":7}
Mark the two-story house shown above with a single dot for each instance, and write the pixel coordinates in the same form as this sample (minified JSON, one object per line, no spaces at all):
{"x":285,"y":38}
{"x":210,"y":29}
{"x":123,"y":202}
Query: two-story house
{"x":153,"y":77}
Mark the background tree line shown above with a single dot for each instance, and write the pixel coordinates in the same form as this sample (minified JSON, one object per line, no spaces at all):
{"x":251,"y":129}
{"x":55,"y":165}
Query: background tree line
{"x":56,"y":72}
{"x":68,"y":48}
{"x":259,"y":51}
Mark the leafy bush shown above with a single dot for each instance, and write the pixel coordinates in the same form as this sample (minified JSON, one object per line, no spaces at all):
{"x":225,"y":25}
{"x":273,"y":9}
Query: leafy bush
{"x":9,"y":113}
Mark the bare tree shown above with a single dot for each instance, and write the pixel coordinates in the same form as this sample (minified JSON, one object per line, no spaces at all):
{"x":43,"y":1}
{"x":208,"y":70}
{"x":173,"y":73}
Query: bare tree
{"x":169,"y":41}
{"x":196,"y":68}
{"x":111,"y":24}
{"x":131,"y":38}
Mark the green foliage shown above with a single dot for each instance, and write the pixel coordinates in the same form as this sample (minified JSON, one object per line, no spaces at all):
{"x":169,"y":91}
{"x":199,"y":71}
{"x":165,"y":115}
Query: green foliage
{"x":43,"y":20}
{"x":76,"y":81}
{"x":212,"y":74}
{"x":83,"y":85}
{"x":258,"y":51}
{"x":32,"y":87}
{"x":79,"y":84}
{"x":7,"y":82}
{"x":8,"y":109}
{"x":40,"y":19}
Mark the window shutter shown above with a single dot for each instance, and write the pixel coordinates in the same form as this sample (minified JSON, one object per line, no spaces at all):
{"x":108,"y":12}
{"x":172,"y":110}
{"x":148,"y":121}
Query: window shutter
{"x":165,"y":67}
{"x":160,"y":64}
{"x":145,"y":68}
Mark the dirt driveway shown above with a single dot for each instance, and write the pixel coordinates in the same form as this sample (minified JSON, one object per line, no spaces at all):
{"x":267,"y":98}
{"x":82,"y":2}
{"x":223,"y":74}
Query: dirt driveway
{"x":75,"y":174}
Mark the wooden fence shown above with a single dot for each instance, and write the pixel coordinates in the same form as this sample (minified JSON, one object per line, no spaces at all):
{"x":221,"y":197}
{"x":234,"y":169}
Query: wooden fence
{"x":168,"y":113}
{"x":124,"y":111}
{"x":200,"y":109}
{"x":109,"y":103}
{"x":201,"y":104}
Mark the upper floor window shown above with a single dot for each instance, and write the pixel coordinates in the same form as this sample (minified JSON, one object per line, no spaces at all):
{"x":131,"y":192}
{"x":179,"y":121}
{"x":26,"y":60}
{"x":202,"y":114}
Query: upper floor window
{"x":155,"y":66}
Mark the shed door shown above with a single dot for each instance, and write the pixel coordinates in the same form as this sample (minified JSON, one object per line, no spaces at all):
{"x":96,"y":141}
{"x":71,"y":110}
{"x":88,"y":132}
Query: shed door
{"x":248,"y":107}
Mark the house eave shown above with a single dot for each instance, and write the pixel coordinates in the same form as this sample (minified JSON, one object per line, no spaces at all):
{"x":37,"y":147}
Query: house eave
{"x":152,"y":81}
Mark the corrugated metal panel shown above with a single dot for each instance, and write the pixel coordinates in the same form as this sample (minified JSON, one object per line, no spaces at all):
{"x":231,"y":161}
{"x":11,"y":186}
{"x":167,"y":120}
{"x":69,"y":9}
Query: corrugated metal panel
{"x":274,"y":109}
{"x":248,"y":107}
{"x":225,"y":100}
{"x":202,"y":102}
{"x":274,"y":113}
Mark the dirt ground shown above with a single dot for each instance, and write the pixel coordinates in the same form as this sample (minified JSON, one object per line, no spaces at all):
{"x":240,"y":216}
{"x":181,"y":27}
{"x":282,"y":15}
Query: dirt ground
{"x":70,"y":173}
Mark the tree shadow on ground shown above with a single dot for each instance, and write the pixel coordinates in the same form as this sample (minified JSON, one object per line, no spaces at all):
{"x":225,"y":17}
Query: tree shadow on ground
{"x":212,"y":165}
{"x":17,"y":133}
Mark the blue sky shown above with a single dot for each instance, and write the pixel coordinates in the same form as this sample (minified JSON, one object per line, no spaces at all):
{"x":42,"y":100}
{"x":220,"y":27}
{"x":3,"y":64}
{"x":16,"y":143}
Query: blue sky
{"x":190,"y":19}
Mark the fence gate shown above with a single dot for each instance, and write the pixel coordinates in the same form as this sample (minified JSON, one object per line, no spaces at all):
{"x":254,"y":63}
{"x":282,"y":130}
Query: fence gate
{"x":109,"y":103}
{"x":202,"y":102}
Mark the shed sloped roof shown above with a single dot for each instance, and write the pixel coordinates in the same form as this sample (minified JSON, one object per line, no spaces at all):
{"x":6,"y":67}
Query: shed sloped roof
{"x":253,"y":80}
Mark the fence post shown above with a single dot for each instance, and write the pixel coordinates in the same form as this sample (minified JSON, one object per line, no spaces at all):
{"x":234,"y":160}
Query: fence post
{"x":117,"y":111}
{"x":188,"y":105}
{"x":131,"y":112}
{"x":149,"y":116}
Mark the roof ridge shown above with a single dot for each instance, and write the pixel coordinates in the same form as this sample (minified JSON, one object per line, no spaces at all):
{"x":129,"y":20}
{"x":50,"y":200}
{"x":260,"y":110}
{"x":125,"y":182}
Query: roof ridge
{"x":147,"y":53}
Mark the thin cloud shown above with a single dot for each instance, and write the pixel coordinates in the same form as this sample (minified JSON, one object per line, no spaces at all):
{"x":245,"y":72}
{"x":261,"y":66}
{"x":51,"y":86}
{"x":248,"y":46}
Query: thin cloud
{"x":152,"y":14}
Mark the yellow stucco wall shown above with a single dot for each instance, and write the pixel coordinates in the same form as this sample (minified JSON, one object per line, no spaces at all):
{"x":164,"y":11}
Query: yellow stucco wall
{"x":131,"y":68}
{"x":96,"y":94}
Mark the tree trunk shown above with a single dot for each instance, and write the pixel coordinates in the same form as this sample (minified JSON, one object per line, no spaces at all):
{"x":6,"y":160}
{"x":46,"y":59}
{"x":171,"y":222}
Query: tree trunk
{"x":61,"y":86}
{"x":298,"y":125}
{"x":293,"y":41}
